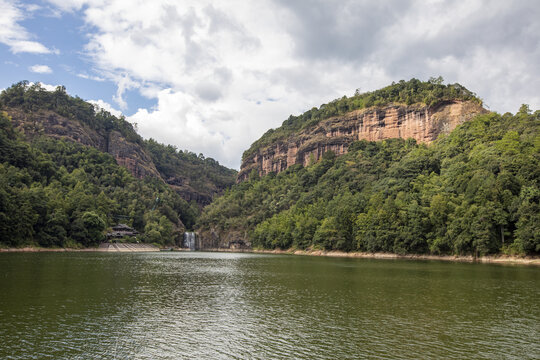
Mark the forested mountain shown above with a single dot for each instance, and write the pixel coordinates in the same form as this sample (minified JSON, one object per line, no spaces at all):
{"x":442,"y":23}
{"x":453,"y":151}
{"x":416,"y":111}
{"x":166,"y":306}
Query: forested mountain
{"x":407,"y":109}
{"x":194,"y":177}
{"x":36,"y":112}
{"x":68,"y":172}
{"x":405,"y":92}
{"x":474,"y":191}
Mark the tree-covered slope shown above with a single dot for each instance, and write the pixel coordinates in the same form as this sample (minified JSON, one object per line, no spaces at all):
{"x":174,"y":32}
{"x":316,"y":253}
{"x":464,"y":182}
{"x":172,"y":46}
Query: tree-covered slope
{"x":68,"y":172}
{"x":475,"y":191}
{"x":60,"y":193}
{"x":37,"y":112}
{"x":194,"y":177}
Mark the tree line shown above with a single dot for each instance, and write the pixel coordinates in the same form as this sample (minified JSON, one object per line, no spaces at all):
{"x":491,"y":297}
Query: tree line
{"x":63,"y":194}
{"x":55,"y":193}
{"x":475,"y":191}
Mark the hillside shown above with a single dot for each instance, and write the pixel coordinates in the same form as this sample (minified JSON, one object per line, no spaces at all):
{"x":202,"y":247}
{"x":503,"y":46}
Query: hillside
{"x":59,"y":193}
{"x":69,"y":172}
{"x":473,"y":191}
{"x":413,"y":109}
{"x":194,"y":177}
{"x":36,"y":112}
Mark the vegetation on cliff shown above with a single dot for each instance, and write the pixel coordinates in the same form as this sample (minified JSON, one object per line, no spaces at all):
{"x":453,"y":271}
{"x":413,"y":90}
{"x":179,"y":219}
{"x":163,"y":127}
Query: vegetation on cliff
{"x":60,"y":193}
{"x":194,"y":176}
{"x":414,"y":91}
{"x":475,"y":191}
{"x":55,"y":191}
{"x":32,"y":99}
{"x":202,"y":177}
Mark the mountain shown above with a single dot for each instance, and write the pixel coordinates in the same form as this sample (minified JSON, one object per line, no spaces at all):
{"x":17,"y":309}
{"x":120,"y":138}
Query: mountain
{"x":36,"y":112}
{"x":413,"y":109}
{"x":69,"y":172}
{"x":195,"y":177}
{"x":473,"y":190}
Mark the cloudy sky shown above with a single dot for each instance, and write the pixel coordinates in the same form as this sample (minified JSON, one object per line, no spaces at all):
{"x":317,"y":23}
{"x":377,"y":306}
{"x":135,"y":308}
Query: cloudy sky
{"x":213,"y":76}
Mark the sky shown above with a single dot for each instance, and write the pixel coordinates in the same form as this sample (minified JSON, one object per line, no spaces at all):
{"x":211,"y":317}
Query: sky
{"x":212,"y":76}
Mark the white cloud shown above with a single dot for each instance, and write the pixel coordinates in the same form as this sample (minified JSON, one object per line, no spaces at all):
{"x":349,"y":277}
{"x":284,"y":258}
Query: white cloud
{"x":32,"y":7}
{"x":14,"y":35}
{"x":123,"y":83}
{"x":47,"y":87}
{"x":90,"y":77}
{"x":68,"y":5}
{"x":203,"y":63}
{"x":100,"y":104}
{"x":40,"y":69}
{"x":223,"y":73}
{"x":217,"y":131}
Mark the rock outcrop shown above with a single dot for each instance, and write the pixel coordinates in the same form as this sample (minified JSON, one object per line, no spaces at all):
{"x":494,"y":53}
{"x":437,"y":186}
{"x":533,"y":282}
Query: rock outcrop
{"x":182,"y":186}
{"x":131,"y":156}
{"x":127,"y":154}
{"x":219,"y":240}
{"x":418,"y":122}
{"x":55,"y":126}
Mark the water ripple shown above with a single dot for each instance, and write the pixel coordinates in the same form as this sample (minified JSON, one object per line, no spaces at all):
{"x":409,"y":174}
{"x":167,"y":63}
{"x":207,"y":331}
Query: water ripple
{"x":245,"y":306}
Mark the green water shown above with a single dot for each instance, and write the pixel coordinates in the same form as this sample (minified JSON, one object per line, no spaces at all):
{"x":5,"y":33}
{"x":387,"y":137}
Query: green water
{"x":247,"y":306}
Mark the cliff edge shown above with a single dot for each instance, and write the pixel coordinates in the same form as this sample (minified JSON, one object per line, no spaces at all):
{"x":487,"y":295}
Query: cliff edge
{"x":418,"y":121}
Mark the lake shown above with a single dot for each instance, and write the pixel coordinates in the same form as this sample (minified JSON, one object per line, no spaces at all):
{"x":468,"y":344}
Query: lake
{"x":197,"y":305}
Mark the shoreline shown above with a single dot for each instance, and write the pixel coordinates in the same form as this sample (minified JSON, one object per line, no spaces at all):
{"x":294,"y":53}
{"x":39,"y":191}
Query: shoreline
{"x":498,"y":259}
{"x":32,"y":249}
{"x":40,"y":249}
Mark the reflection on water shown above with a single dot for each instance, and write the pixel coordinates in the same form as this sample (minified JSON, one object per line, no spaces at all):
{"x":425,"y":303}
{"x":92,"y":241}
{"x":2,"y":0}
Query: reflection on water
{"x":236,"y":306}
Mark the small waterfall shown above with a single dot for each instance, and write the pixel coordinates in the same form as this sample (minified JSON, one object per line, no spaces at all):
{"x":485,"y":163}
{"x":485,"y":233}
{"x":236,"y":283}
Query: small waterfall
{"x":189,"y":241}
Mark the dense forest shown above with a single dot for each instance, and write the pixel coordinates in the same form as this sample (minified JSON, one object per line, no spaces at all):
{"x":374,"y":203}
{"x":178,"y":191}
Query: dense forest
{"x":58,"y":192}
{"x":63,"y":194}
{"x":204,"y":176}
{"x":201,"y":177}
{"x":475,"y":191}
{"x":414,"y":91}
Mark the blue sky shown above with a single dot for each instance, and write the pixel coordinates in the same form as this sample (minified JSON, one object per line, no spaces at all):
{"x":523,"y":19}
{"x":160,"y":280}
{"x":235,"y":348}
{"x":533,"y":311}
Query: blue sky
{"x":65,"y":35}
{"x":212,"y":76}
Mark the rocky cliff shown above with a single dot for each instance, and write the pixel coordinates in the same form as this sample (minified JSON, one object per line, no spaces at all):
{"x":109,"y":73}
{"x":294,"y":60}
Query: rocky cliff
{"x":420,"y":122}
{"x":128,"y":154}
{"x":193,"y":178}
{"x":36,"y":112}
{"x":131,"y":156}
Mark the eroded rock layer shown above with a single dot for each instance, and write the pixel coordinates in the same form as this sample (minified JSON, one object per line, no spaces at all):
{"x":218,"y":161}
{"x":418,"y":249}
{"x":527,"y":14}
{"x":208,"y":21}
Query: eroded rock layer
{"x":419,"y":122}
{"x":127,"y":153}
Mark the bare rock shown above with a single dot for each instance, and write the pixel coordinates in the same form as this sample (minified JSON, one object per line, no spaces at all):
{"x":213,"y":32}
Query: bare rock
{"x":419,"y":122}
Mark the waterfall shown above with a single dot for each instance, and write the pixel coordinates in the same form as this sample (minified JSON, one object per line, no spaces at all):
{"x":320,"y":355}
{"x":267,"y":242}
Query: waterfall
{"x":189,"y":241}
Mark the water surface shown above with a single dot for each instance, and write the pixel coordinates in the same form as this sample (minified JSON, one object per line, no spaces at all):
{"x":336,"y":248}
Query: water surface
{"x":249,"y":306}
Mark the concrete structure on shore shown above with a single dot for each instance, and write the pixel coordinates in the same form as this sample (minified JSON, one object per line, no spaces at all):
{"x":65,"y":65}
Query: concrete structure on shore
{"x":122,"y":230}
{"x":126,"y":247}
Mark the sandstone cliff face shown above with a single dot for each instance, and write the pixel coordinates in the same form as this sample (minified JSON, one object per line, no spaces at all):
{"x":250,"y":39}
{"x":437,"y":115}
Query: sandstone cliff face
{"x":56,"y":126}
{"x":131,"y":156}
{"x":182,"y":186}
{"x":421,"y":123}
{"x":127,"y":154}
